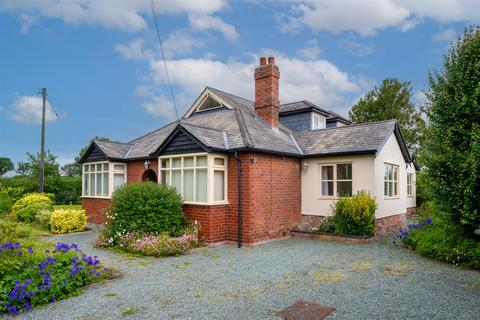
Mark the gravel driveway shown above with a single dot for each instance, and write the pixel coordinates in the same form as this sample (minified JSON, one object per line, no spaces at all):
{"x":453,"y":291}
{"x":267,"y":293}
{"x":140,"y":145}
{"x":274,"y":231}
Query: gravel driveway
{"x":374,"y":281}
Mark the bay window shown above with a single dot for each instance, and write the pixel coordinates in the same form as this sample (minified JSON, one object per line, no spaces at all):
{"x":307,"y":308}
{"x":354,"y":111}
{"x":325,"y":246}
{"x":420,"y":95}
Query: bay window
{"x":390,"y":180}
{"x":100,"y":179}
{"x":336,"y":180}
{"x":198,"y":178}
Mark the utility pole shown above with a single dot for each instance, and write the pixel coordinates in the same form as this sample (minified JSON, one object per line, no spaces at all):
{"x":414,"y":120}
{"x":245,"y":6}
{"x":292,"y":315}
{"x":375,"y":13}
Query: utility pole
{"x":43,"y":92}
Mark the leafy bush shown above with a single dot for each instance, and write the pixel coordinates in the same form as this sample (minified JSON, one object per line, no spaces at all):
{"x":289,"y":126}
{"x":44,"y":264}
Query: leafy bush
{"x":43,"y":218}
{"x":33,"y":198}
{"x":68,"y":220}
{"x":326,"y":225}
{"x":5,"y":203}
{"x":28,"y":213}
{"x":13,"y":231}
{"x":14,"y":193}
{"x":441,"y":241}
{"x":36,"y":273}
{"x":145,"y":208}
{"x":355,"y":215}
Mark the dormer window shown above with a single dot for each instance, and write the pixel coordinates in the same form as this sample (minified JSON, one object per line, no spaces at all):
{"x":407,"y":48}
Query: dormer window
{"x":208,"y":103}
{"x":318,"y":121}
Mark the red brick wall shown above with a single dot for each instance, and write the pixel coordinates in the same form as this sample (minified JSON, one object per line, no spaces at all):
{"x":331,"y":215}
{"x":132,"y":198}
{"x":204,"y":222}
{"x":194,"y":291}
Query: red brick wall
{"x":135,"y":170}
{"x":390,"y":224}
{"x":95,"y":208}
{"x":212,"y":220}
{"x":267,"y":103}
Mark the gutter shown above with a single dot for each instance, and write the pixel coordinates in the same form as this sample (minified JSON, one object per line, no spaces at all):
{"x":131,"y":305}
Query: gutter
{"x":239,"y":201}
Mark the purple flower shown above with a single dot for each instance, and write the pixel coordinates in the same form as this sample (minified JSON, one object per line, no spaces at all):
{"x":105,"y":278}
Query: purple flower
{"x":19,"y":253}
{"x":30,"y":250}
{"x":42,"y":265}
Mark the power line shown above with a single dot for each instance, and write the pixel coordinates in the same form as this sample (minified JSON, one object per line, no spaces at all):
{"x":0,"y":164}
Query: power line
{"x":152,"y":6}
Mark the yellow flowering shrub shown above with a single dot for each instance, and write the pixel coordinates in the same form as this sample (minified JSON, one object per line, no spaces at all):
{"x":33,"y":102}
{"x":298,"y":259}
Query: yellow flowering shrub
{"x":33,"y":198}
{"x":68,"y":220}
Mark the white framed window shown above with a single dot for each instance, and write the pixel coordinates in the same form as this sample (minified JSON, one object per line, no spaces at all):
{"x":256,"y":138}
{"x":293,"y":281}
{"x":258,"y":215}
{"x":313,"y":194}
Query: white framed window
{"x":100,"y":179}
{"x":318,"y":121}
{"x":410,"y":184}
{"x":199,"y":178}
{"x":390,"y":181}
{"x":336,"y":180}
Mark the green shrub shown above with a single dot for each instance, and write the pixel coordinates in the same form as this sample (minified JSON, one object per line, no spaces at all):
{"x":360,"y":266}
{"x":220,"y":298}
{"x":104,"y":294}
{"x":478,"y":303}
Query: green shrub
{"x":34,"y":273}
{"x":5,"y":203}
{"x":355,"y":215}
{"x":326,"y":225}
{"x":28,"y":213}
{"x":442,"y":241}
{"x":14,"y":193}
{"x":13,"y":231}
{"x":43,"y":218}
{"x":145,"y":208}
{"x":68,"y":220}
{"x":33,"y":198}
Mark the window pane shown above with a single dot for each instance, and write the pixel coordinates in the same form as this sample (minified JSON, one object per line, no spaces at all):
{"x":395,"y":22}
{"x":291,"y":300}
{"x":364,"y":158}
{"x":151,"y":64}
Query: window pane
{"x":395,"y":173}
{"x":327,"y":188}
{"x":99,"y":167}
{"x":390,"y":172}
{"x":219,"y":161}
{"x":327,"y":172}
{"x":385,"y":172}
{"x":177,"y":162}
{"x":188,"y":162}
{"x":166,"y":163}
{"x":118,"y":180}
{"x":99,"y":184}
{"x":119,"y":167}
{"x":202,"y":161}
{"x":390,"y":189}
{"x":219,"y":185}
{"x":395,"y":191}
{"x":92,"y":168}
{"x":105,"y":184}
{"x":85,"y":184}
{"x":85,"y":168}
{"x":188,"y":185}
{"x":177,"y":180}
{"x":344,"y":188}
{"x":92,"y":184}
{"x":165,"y":178}
{"x":201,"y":186}
{"x":385,"y":188}
{"x":344,"y":171}
{"x":105,"y":167}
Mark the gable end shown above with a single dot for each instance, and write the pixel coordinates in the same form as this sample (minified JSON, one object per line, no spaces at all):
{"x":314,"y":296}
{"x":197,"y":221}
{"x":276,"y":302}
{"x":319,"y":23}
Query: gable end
{"x":180,"y":142}
{"x":93,"y":154}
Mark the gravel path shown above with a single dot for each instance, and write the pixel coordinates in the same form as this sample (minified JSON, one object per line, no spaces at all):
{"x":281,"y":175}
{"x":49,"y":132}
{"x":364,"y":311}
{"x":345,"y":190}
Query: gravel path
{"x":374,"y":281}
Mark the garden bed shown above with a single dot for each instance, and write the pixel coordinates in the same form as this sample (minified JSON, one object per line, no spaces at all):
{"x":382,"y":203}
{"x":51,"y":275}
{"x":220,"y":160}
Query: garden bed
{"x":344,"y":238}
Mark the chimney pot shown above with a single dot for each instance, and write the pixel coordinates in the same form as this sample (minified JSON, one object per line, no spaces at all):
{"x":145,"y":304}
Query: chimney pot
{"x":271,"y":60}
{"x":263,"y":61}
{"x":267,"y":104}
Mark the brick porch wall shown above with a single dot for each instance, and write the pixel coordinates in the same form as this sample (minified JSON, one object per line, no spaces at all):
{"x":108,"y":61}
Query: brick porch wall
{"x":212,"y":220}
{"x":95,"y":209}
{"x":390,"y":224}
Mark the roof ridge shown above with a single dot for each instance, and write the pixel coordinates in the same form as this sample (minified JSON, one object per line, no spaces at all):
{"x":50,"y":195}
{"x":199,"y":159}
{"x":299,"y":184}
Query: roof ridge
{"x":153,"y":131}
{"x":247,"y":140}
{"x":349,"y":126}
{"x":111,"y":141}
{"x":201,"y":127}
{"x":233,"y":95}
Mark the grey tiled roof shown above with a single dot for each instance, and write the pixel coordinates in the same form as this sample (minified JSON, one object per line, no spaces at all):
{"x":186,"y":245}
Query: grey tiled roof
{"x":239,"y":128}
{"x":368,"y":137}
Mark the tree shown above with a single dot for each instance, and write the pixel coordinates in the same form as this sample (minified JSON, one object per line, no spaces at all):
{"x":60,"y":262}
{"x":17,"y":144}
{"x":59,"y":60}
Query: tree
{"x":391,"y":101}
{"x":452,"y":153}
{"x":32,"y":166}
{"x":5,"y":165}
{"x":74,"y":169}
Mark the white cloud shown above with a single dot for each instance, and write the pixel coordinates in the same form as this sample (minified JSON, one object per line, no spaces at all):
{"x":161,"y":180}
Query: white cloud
{"x":447,"y":35}
{"x":127,"y":15}
{"x":205,"y":22}
{"x":27,"y":21}
{"x":28,"y":109}
{"x":419,"y":98}
{"x":311,"y":50}
{"x":366,"y":17}
{"x":162,"y":106}
{"x":134,"y":50}
{"x":356,"y":48}
{"x":317,"y":80}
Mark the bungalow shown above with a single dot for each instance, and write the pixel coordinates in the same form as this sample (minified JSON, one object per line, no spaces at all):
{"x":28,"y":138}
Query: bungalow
{"x":250,"y":171}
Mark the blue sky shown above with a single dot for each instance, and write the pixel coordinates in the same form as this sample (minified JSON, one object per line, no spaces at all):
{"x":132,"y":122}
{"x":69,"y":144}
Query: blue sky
{"x":100,"y":60}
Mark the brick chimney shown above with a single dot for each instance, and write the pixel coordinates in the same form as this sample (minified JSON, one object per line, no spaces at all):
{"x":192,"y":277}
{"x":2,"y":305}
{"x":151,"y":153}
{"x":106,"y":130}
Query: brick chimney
{"x":267,"y":103}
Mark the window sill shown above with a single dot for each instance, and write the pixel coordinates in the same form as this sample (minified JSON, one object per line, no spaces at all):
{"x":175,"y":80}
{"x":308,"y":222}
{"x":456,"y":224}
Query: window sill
{"x":391,"y":198}
{"x":328,"y":198}
{"x":95,"y":197}
{"x":220,"y":203}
